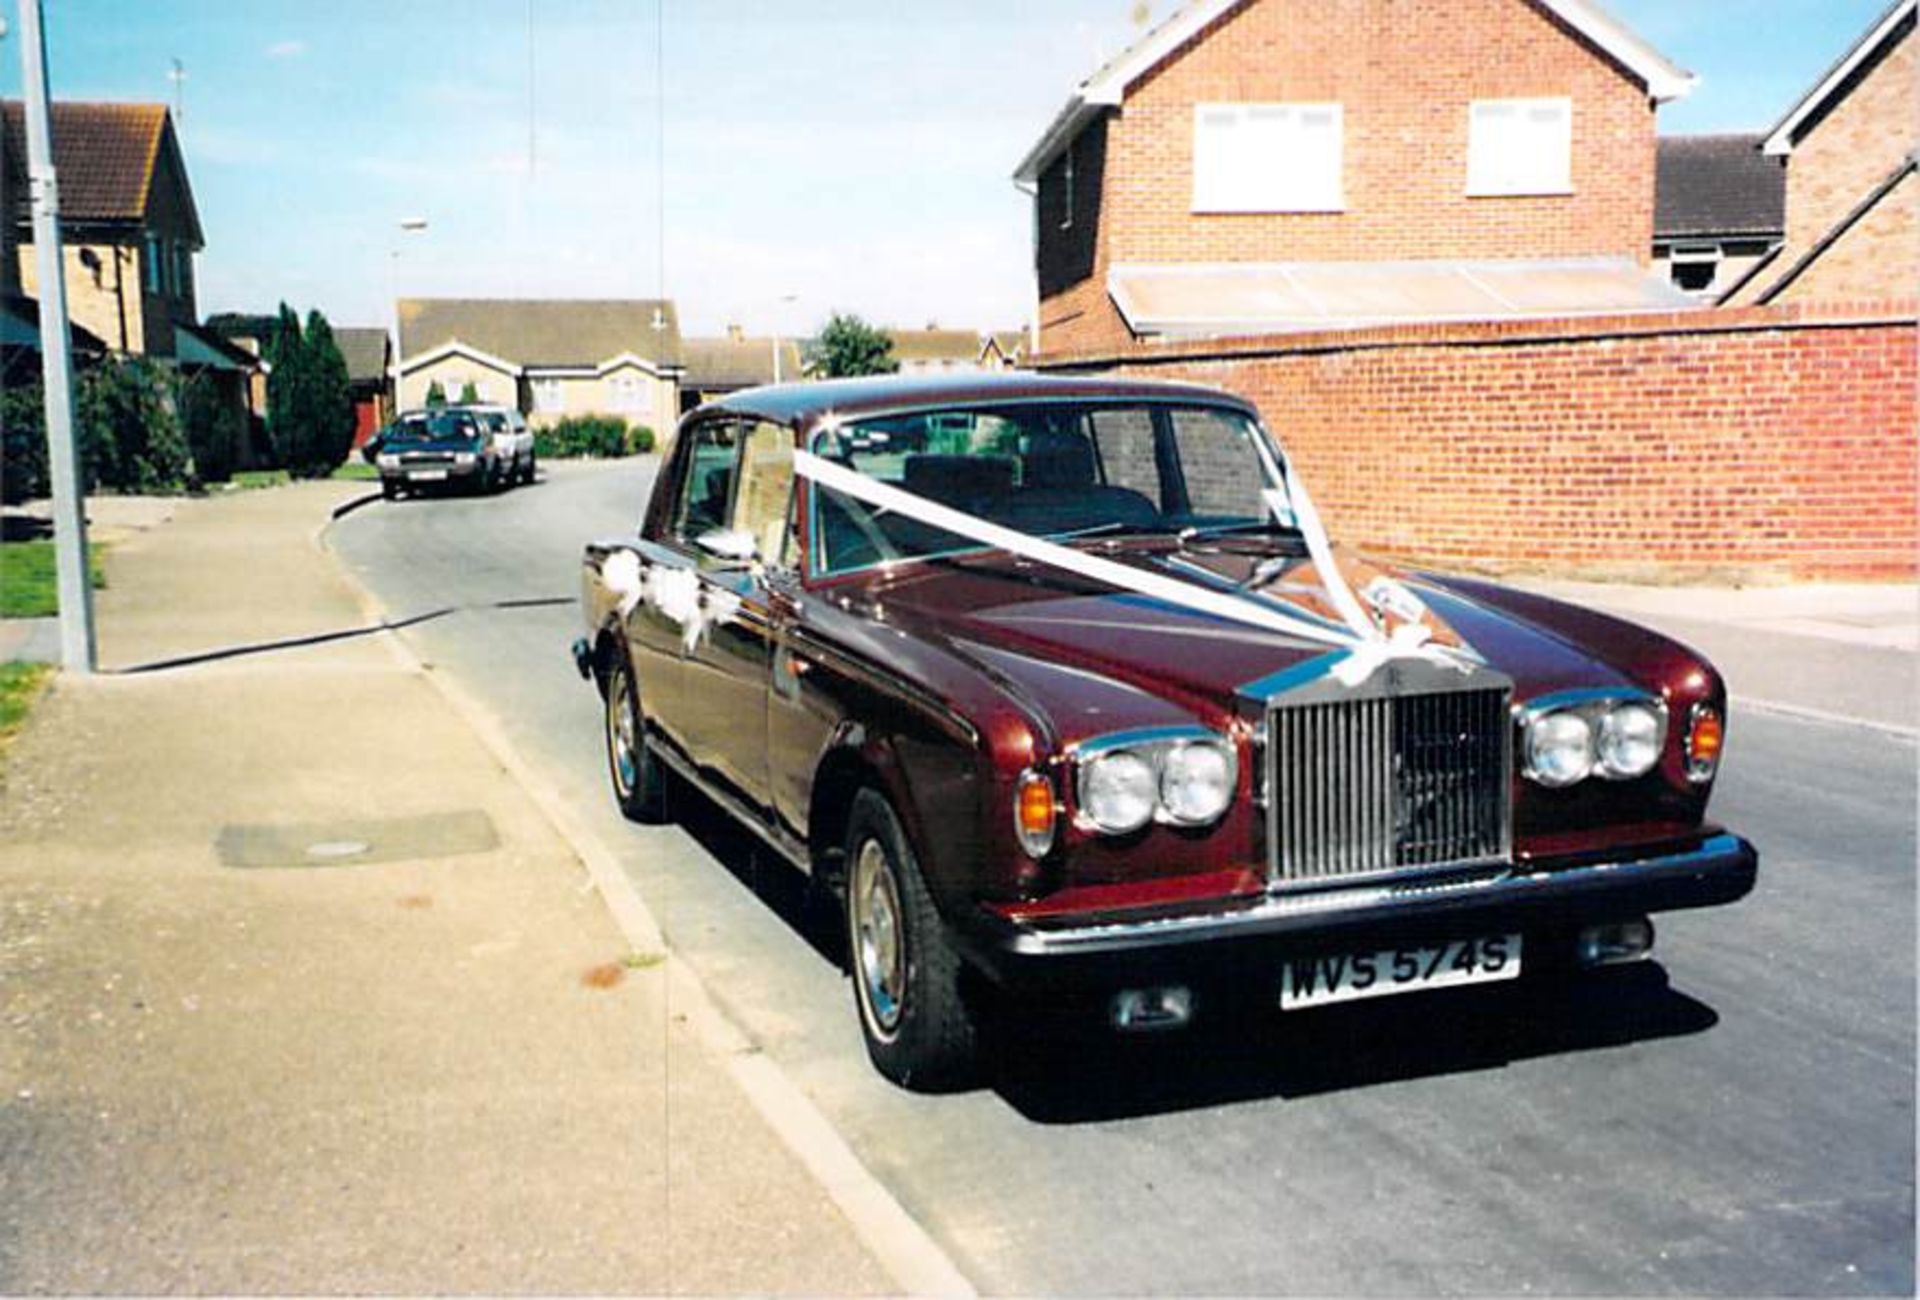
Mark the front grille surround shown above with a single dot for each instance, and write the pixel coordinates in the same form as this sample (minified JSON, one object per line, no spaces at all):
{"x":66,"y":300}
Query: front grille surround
{"x":1409,"y":773}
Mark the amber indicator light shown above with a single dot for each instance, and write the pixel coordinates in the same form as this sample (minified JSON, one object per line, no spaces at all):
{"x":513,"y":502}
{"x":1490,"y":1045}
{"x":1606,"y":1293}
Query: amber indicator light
{"x":1703,"y":744}
{"x":1036,"y":807}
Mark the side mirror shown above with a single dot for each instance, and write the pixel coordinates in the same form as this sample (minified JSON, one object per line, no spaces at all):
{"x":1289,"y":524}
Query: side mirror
{"x":730,"y":545}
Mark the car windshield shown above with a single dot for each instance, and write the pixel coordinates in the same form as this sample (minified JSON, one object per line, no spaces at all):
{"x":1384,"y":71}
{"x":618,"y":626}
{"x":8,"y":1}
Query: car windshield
{"x":433,"y":425}
{"x":1058,"y":470}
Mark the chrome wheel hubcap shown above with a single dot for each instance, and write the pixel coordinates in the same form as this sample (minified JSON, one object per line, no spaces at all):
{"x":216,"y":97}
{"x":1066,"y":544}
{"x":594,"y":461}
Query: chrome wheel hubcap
{"x":879,"y":953}
{"x":622,"y":738}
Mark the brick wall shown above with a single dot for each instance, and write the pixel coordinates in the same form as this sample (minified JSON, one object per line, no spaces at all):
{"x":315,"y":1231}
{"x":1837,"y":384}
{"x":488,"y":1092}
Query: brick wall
{"x":1879,"y":252}
{"x":1760,"y":444}
{"x":1406,"y":74}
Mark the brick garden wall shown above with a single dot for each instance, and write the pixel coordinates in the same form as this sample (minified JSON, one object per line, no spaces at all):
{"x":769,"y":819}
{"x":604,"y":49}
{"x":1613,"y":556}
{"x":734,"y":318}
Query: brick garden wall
{"x":1758,"y":444}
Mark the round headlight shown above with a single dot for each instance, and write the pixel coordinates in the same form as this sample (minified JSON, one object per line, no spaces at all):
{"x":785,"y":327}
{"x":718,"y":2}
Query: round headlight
{"x":1629,"y":741}
{"x":1559,"y":749}
{"x":1196,"y":782}
{"x":1116,"y":791}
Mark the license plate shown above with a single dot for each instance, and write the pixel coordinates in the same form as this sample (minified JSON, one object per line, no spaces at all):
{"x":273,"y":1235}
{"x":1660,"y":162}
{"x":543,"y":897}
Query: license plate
{"x":1347,"y":977}
{"x":427,"y":475}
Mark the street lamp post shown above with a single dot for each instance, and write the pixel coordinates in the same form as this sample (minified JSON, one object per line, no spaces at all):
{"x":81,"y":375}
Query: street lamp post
{"x":785,"y":300}
{"x":407,"y":226}
{"x":63,"y":462}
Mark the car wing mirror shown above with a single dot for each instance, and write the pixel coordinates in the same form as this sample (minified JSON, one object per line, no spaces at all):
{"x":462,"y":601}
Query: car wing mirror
{"x":729,"y":545}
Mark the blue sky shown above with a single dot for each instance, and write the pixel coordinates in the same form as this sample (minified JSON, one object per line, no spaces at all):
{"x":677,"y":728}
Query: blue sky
{"x":819,"y":154}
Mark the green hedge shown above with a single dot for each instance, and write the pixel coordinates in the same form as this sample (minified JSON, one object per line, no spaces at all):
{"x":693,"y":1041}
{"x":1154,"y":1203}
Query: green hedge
{"x":593,"y":435}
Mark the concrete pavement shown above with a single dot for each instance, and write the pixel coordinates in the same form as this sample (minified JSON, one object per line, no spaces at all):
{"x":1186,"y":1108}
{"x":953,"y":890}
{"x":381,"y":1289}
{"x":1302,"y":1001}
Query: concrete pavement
{"x":300,"y":992}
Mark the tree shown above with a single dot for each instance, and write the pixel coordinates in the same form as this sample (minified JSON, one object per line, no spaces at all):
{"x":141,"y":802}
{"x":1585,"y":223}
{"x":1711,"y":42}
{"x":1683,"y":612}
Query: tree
{"x":849,"y":346}
{"x":130,"y":438}
{"x":215,"y":425}
{"x":286,"y":384}
{"x":436,"y":395}
{"x":469,"y":395}
{"x":330,"y":392}
{"x":309,"y":397}
{"x":23,"y":442}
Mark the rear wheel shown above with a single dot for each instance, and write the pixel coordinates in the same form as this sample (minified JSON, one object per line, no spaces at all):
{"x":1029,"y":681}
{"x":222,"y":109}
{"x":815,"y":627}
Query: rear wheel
{"x":906,"y":974}
{"x":639,"y":783}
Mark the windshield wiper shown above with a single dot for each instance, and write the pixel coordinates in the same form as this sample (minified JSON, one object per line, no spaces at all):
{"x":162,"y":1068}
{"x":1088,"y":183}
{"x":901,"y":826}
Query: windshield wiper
{"x":1112,"y":528}
{"x":1267,"y":527}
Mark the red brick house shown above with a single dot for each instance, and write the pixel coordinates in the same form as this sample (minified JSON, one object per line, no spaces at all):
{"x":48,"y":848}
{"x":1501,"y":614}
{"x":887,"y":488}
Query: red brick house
{"x":128,"y":225}
{"x":1253,"y":166}
{"x":1853,"y":204}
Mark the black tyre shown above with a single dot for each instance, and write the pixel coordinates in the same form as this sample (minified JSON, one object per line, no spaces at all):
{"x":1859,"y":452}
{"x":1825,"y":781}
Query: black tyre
{"x":390,"y":489}
{"x":906,"y":974}
{"x":639,"y":782}
{"x":532,"y":466}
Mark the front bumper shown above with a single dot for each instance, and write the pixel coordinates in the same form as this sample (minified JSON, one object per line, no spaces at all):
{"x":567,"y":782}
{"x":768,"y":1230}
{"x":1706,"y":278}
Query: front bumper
{"x":427,"y":475}
{"x":1108,"y":950}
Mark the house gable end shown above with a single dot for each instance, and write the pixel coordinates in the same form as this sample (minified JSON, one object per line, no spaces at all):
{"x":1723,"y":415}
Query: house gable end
{"x":1840,"y":80}
{"x":1108,"y":87}
{"x":454,"y":347}
{"x":167,"y":200}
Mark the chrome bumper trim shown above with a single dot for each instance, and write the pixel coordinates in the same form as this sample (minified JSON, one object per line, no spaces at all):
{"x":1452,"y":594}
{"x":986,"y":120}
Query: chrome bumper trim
{"x":1491,"y":887}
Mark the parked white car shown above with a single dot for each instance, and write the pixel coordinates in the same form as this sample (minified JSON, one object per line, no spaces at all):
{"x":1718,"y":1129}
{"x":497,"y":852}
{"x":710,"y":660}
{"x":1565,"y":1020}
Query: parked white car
{"x":512,"y":441}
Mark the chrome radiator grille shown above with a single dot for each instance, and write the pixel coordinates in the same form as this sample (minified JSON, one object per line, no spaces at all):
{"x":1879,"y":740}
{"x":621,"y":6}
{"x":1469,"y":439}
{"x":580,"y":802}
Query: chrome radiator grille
{"x":1377,"y":786}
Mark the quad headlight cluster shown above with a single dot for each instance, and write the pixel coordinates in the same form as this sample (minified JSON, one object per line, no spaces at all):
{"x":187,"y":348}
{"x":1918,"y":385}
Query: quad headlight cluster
{"x":1566,"y":741}
{"x":1186,"y":778}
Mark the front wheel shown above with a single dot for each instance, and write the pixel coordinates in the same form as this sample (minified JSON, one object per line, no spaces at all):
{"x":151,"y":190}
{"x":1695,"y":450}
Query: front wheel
{"x":906,"y":974}
{"x":639,"y":783}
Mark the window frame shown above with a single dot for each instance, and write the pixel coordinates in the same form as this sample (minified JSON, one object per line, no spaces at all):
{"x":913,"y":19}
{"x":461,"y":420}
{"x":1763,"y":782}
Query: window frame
{"x":1484,"y":181}
{"x":1281,"y":190}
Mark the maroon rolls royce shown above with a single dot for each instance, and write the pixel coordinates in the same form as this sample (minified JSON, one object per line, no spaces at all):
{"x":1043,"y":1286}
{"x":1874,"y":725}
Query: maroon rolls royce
{"x":1059,"y":683}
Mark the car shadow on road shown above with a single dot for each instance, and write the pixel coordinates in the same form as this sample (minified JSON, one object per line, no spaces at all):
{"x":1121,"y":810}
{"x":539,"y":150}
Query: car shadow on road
{"x":809,"y":910}
{"x":1083,"y":1074}
{"x":1057,"y":1068}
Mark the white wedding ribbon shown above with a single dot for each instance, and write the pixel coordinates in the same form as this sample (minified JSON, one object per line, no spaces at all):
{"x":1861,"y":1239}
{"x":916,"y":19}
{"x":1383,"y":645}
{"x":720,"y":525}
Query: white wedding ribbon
{"x":1367,"y":646}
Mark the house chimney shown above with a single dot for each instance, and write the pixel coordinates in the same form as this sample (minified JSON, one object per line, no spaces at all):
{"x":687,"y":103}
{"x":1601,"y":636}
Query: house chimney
{"x":735,"y":333}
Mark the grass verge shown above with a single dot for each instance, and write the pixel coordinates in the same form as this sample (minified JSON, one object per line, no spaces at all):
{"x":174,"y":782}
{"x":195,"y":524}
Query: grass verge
{"x":19,"y":687}
{"x":246,"y":480}
{"x":357,"y":471}
{"x":28,"y":585}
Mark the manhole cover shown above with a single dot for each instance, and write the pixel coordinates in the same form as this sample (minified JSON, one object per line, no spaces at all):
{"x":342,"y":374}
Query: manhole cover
{"x":359,"y":842}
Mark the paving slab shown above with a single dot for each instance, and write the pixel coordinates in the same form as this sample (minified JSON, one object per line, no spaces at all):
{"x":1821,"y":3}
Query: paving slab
{"x":438,"y":1072}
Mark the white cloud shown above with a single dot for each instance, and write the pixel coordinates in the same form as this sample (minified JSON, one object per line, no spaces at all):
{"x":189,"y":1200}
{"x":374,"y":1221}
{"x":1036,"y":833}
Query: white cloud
{"x":286,"y":49}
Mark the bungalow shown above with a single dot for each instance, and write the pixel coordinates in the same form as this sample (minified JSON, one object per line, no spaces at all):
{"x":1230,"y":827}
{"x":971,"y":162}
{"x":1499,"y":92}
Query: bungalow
{"x":934,"y":350}
{"x":548,"y":357}
{"x":718,"y":366}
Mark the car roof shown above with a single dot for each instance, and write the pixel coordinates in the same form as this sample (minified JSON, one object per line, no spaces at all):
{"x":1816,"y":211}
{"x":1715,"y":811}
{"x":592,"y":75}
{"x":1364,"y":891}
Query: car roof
{"x":802,"y":405}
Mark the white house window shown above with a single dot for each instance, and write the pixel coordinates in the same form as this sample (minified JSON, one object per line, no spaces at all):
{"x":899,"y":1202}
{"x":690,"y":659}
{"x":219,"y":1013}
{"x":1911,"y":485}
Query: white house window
{"x":1267,"y":158}
{"x":627,"y":393}
{"x":547,"y":397}
{"x":1520,"y":146}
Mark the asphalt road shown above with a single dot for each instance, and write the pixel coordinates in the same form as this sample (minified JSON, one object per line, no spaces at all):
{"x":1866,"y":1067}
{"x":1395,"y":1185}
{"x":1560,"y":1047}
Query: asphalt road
{"x":1736,"y":1118}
